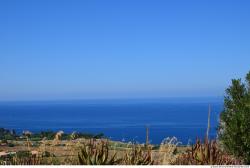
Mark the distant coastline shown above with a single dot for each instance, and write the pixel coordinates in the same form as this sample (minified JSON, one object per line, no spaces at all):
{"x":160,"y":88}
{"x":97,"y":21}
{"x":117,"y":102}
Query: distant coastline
{"x":117,"y":118}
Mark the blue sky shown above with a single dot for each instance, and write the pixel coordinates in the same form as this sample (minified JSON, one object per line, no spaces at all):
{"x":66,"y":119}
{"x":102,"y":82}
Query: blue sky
{"x":53,"y":49}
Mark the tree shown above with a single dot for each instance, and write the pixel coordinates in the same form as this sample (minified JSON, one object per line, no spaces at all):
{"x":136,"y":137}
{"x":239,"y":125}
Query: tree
{"x":234,"y":128}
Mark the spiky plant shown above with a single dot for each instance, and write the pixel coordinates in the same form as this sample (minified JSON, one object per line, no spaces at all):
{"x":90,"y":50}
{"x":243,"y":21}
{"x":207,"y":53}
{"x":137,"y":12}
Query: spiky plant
{"x":32,"y":160}
{"x":205,"y":154}
{"x":138,"y":156}
{"x":23,"y":158}
{"x":96,"y":153}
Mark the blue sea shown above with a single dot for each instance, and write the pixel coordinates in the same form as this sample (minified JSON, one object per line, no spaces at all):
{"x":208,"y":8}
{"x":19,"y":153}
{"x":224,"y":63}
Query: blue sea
{"x":118,"y":119}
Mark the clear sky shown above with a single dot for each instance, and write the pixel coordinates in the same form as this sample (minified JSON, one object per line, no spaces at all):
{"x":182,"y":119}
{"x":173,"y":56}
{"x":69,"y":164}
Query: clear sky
{"x":55,"y":49}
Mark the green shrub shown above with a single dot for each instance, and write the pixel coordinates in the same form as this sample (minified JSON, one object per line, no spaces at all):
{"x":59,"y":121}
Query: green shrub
{"x":22,"y":154}
{"x":4,"y":141}
{"x":234,"y":129}
{"x":7,"y":134}
{"x":11,"y":145}
{"x":35,"y":139}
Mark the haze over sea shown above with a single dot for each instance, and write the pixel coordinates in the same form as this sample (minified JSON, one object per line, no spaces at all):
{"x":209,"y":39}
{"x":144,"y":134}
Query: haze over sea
{"x":118,"y":119}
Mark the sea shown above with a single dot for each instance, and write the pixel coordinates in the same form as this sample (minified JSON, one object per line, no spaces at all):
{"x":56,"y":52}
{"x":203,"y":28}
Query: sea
{"x":118,"y":119}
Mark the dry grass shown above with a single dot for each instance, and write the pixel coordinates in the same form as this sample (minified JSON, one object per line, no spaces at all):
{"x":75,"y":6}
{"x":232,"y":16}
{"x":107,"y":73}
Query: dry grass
{"x":167,"y":152}
{"x":138,"y":155}
{"x":206,"y":153}
{"x":65,"y":152}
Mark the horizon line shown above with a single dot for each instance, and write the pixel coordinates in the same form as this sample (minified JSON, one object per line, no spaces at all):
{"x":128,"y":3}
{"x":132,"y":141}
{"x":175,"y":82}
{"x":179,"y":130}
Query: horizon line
{"x":109,"y":98}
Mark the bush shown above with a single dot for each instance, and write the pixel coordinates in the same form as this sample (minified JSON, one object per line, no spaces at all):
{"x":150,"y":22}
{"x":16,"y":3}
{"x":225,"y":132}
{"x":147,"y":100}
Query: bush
{"x":35,"y":139}
{"x":234,"y":129}
{"x":22,"y":154}
{"x":7,"y":134}
{"x":11,"y":145}
{"x":205,"y":154}
{"x":4,"y":141}
{"x":138,"y":156}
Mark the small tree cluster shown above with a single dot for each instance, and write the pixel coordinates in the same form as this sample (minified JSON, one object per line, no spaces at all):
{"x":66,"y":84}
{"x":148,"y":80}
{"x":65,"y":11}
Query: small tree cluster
{"x":234,"y":129}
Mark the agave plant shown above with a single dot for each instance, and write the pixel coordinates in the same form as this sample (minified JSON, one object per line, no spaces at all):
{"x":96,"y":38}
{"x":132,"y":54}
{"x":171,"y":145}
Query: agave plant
{"x":137,"y":156}
{"x":96,"y":153}
{"x":206,"y":154}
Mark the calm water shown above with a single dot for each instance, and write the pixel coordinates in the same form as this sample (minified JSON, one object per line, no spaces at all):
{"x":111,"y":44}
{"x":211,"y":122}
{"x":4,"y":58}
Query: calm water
{"x":184,"y":118}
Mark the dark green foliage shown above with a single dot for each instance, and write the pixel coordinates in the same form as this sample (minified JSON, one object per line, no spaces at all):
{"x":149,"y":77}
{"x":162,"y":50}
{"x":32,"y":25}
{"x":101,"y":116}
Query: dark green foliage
{"x":205,"y":154}
{"x":4,"y":141}
{"x":35,"y":139}
{"x":11,"y":145}
{"x":7,"y":134}
{"x":50,"y":135}
{"x":22,"y":154}
{"x":47,"y":154}
{"x":98,"y":136}
{"x":234,"y":129}
{"x":156,"y":147}
{"x":96,"y":153}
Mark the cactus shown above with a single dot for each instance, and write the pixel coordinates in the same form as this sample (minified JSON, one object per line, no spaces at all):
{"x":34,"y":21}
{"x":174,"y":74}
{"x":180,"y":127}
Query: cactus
{"x":94,"y":153}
